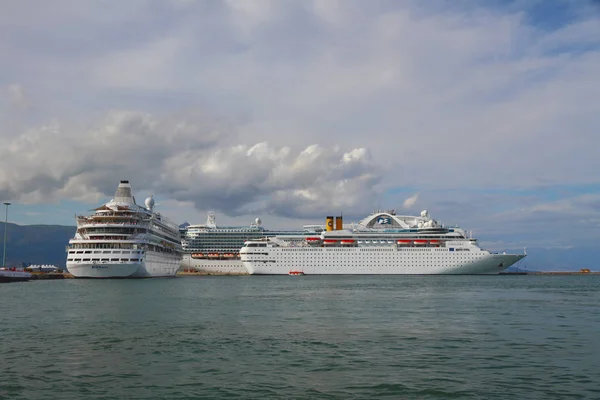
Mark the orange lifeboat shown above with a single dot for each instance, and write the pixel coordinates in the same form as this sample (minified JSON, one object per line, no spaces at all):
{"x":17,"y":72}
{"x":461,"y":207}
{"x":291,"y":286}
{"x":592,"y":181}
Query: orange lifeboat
{"x":313,"y":239}
{"x":330,"y":241}
{"x":436,"y":242}
{"x":296,"y":273}
{"x":347,"y":241}
{"x":404,"y":241}
{"x":420,"y":241}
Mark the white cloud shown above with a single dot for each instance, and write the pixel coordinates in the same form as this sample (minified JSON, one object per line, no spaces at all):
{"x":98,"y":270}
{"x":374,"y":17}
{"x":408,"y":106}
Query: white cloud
{"x":17,"y":96}
{"x":54,"y":162}
{"x":445,"y":97}
{"x":410,"y":201}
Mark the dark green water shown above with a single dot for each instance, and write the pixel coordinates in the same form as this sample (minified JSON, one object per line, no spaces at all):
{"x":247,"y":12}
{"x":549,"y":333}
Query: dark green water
{"x":461,"y":337}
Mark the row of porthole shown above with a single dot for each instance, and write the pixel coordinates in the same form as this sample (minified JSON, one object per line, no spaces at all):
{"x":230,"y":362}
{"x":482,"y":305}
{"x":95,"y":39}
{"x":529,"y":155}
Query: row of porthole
{"x":380,"y":258}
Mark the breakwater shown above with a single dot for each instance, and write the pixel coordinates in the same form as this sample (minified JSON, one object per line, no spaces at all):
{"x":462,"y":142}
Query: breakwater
{"x":550,"y":273}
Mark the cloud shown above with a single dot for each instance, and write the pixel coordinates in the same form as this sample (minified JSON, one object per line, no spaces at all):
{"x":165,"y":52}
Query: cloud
{"x":185,"y":157}
{"x":410,"y":201}
{"x":443,"y":98}
{"x":470,"y":85}
{"x":17,"y":96}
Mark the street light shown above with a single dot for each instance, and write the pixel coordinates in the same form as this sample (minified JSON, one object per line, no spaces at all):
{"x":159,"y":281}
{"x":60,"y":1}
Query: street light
{"x":5,"y":225}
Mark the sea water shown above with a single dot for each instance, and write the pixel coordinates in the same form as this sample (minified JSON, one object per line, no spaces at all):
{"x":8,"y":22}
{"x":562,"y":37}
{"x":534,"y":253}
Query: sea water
{"x":306,"y":337}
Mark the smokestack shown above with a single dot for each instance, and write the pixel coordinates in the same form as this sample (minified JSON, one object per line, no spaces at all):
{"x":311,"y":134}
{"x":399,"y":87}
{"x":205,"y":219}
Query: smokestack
{"x":339,"y":223}
{"x":329,"y":225}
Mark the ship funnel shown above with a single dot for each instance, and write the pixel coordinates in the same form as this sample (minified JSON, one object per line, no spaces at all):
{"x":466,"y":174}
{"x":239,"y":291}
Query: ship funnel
{"x":329,"y":225}
{"x":123,"y":193}
{"x":339,"y":225}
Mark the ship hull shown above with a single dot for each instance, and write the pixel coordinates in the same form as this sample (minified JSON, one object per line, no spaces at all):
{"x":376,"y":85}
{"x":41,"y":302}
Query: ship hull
{"x":214,"y":266}
{"x":155,"y":265}
{"x":14,"y":276}
{"x":374,"y":262}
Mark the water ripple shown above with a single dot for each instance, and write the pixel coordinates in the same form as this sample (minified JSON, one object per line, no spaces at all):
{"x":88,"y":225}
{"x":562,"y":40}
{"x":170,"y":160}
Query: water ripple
{"x":314,"y":338}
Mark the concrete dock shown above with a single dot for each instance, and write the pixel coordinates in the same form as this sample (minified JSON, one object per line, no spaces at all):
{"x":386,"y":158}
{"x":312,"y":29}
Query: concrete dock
{"x":50,"y":275}
{"x":191,"y":272}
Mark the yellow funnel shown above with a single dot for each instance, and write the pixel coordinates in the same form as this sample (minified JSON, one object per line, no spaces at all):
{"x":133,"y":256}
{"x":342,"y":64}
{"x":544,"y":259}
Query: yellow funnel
{"x":329,"y":225}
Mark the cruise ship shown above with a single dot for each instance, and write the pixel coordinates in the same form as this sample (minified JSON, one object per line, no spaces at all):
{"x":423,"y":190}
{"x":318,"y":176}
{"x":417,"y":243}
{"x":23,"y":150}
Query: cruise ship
{"x":216,"y":249}
{"x":124,"y":240}
{"x":382,"y":243}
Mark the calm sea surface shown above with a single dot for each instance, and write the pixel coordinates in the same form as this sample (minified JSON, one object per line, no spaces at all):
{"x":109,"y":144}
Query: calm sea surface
{"x":311,"y":337}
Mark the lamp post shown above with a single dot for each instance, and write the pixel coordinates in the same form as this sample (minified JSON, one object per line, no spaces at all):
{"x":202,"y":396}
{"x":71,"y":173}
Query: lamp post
{"x":5,"y":227}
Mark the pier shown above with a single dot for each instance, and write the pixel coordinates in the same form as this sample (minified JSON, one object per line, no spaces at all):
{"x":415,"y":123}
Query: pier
{"x":50,"y":275}
{"x":581,"y":272}
{"x":192,"y":272}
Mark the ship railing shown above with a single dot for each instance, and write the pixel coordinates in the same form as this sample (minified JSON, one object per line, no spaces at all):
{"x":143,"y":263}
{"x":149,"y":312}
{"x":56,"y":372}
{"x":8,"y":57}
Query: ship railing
{"x":134,"y":223}
{"x":166,"y":225}
{"x":279,"y":242}
{"x":168,"y":222}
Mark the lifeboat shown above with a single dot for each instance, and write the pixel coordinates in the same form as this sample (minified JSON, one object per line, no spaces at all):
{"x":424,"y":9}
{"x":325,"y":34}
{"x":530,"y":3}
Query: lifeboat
{"x":330,"y":241}
{"x":295,"y":273}
{"x":404,"y":241}
{"x":435,"y":242}
{"x":420,"y":241}
{"x":347,"y":241}
{"x":213,"y":255}
{"x":197,"y":255}
{"x":313,"y":240}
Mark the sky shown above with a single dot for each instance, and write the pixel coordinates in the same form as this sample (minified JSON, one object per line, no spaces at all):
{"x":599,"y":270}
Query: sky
{"x":485,"y":113}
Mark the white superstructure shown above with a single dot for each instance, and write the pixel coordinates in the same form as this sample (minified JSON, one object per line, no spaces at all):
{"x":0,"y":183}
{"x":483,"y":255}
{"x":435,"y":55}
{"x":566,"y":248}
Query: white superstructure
{"x":124,"y":240}
{"x":215,"y":249}
{"x":382,"y":243}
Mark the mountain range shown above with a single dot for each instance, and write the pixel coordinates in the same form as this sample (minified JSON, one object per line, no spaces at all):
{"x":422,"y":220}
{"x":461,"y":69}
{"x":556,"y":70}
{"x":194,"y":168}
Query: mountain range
{"x":36,"y":244}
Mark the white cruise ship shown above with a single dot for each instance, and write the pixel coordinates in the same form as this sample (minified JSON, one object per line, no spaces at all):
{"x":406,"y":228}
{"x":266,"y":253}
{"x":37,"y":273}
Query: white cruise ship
{"x":382,"y":243}
{"x":216,"y":249}
{"x":124,"y":240}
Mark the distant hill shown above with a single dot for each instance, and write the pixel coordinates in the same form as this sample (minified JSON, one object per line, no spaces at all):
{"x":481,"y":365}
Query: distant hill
{"x":36,"y":244}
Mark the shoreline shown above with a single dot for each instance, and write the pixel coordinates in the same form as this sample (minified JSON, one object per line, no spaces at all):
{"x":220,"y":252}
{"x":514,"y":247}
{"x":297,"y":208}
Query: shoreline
{"x":184,"y":274}
{"x":204,"y":273}
{"x":550,"y":273}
